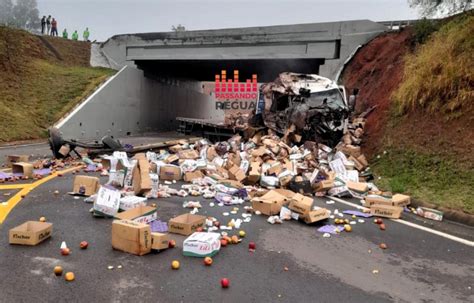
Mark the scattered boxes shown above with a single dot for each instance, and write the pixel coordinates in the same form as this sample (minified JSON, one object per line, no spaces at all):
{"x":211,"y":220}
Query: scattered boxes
{"x":202,"y":244}
{"x":269,"y":204}
{"x":131,"y":237}
{"x":159,"y":241}
{"x":107,"y":202}
{"x":140,"y":214}
{"x":301,"y":204}
{"x":386,"y":211}
{"x":23,"y":168}
{"x":186,"y":224}
{"x":16,"y":158}
{"x":85,"y":185}
{"x":30,"y":233}
{"x":430,"y":213}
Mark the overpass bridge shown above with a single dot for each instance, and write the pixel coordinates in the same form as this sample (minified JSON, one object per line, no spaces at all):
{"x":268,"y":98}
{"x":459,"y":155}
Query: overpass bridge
{"x":162,"y":75}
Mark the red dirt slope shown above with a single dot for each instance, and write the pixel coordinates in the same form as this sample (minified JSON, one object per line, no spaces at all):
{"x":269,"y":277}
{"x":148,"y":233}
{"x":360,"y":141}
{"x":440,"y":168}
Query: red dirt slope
{"x":377,"y":70}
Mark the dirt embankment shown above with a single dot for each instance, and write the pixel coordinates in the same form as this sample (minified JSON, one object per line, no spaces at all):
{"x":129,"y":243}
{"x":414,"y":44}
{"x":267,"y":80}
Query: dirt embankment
{"x":376,"y":70}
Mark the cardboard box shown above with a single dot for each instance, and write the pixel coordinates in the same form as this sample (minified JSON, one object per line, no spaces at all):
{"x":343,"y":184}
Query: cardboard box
{"x":85,"y":185}
{"x":235,"y":173}
{"x":323,"y":185}
{"x":231,"y":183}
{"x":30,"y":233}
{"x":275,"y":169}
{"x":159,"y":241}
{"x":185,"y":224}
{"x":211,"y":153}
{"x":401,"y":200}
{"x":315,"y":215}
{"x":270,"y":203}
{"x":130,"y":202}
{"x":285,"y":177}
{"x":171,"y":158}
{"x":16,"y":158}
{"x":351,"y":150}
{"x":193,"y":175}
{"x":202,"y":244}
{"x":23,"y":168}
{"x":140,"y":214}
{"x":386,"y":211}
{"x":175,"y":148}
{"x":377,"y":200}
{"x":131,"y":237}
{"x":141,"y":177}
{"x":170,"y":172}
{"x":188,"y":154}
{"x":301,"y":204}
{"x":359,"y":187}
{"x":254,"y":173}
{"x":107,"y":202}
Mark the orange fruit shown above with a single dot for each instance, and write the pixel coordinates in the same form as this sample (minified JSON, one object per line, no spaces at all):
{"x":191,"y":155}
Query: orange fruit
{"x":69,"y":276}
{"x":58,"y":270}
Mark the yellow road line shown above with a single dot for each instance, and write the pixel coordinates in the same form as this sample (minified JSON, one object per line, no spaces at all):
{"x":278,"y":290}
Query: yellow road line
{"x":13,"y":186}
{"x":25,"y":189}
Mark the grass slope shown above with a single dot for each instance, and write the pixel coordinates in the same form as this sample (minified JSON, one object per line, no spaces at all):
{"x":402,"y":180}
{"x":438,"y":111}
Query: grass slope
{"x":37,"y":87}
{"x":429,"y":139}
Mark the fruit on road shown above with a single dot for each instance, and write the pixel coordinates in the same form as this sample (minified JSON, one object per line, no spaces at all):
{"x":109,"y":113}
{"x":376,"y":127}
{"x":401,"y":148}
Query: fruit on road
{"x":171,"y":243}
{"x":383,"y":246}
{"x":175,"y":264}
{"x":58,"y":270}
{"x":42,"y":219}
{"x":252,"y":245}
{"x":382,"y":226}
{"x":223,"y":242}
{"x":65,"y":251}
{"x":347,"y":227}
{"x":235,"y":239}
{"x":225,"y":282}
{"x":208,"y":261}
{"x":242,"y":234}
{"x":69,"y":276}
{"x":83,"y":245}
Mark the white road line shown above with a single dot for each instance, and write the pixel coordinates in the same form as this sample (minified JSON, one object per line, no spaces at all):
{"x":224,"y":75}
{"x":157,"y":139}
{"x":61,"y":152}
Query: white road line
{"x":439,"y":233}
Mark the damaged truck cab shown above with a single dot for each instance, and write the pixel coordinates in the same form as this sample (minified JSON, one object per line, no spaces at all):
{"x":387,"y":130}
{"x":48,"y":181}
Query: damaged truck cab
{"x":309,"y":105}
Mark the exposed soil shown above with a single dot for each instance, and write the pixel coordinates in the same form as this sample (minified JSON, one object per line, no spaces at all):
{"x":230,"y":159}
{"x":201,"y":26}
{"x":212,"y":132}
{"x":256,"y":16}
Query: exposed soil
{"x":376,"y":70}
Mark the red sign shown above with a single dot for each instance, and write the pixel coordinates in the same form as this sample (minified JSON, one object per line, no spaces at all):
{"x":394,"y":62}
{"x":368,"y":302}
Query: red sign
{"x":233,"y":89}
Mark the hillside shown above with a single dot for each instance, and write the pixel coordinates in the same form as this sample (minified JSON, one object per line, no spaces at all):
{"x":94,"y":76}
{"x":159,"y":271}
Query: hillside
{"x":420,"y":137}
{"x":41,"y":78}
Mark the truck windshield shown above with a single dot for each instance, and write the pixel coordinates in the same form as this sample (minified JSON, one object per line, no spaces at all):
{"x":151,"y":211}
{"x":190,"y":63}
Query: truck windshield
{"x":330,"y":98}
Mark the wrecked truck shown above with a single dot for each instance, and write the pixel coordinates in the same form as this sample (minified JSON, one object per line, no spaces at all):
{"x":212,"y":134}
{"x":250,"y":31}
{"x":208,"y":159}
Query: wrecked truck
{"x":312,"y":107}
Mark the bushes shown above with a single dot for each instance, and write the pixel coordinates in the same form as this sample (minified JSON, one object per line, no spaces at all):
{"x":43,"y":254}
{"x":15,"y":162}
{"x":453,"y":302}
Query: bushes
{"x":439,"y":75}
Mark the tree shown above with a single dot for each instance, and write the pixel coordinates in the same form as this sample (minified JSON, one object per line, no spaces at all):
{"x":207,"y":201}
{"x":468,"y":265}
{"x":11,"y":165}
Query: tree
{"x":440,"y":8}
{"x":178,"y":28}
{"x":21,"y":13}
{"x":6,"y":8}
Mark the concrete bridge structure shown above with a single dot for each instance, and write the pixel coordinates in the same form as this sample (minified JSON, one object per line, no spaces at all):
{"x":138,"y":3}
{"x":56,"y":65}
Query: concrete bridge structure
{"x":161,"y":75}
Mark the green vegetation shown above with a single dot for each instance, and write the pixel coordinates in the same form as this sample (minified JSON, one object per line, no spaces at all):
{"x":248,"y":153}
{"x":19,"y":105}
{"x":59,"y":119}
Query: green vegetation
{"x":439,"y":75}
{"x":423,"y":29}
{"x":37,"y":87}
{"x":429,"y":137}
{"x":427,"y":177}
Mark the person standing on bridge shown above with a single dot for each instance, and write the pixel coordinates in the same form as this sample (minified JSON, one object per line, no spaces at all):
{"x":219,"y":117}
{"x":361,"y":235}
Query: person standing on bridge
{"x":75,"y":35}
{"x":86,"y":34}
{"x":43,"y":25}
{"x":48,"y":25}
{"x":65,"y":34}
{"x":54,"y":28}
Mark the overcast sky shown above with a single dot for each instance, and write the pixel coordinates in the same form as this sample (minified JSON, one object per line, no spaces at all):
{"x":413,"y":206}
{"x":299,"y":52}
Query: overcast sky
{"x":106,"y":18}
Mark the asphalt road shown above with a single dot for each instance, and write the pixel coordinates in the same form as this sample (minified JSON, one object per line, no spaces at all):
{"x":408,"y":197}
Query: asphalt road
{"x":417,"y":266}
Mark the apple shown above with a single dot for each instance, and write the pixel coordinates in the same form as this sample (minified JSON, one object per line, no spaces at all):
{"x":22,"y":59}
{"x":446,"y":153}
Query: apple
{"x":382,"y":226}
{"x":69,"y":276}
{"x":347,"y":227}
{"x":199,"y":229}
{"x":223,"y":242}
{"x":83,"y":245}
{"x":65,"y":251}
{"x":175,"y":264}
{"x":242,"y":234}
{"x":58,"y":270}
{"x":235,"y":239}
{"x":225,"y":283}
{"x":42,"y":219}
{"x":252,"y":246}
{"x":383,"y":246}
{"x":171,"y":243}
{"x":208,"y":261}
